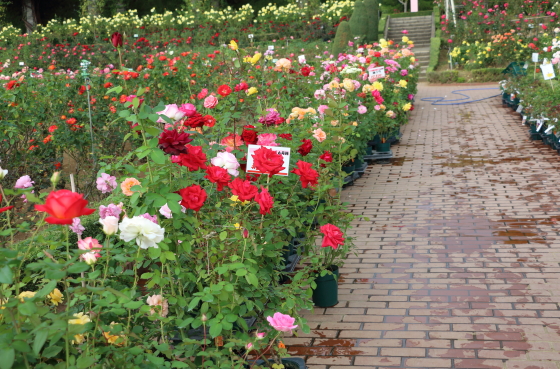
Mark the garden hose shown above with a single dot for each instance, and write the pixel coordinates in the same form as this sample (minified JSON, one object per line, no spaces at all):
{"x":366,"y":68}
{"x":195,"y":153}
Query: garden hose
{"x":442,"y":101}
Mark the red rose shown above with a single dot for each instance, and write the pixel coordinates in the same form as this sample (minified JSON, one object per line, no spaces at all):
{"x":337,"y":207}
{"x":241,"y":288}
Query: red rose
{"x":268,"y":161}
{"x":193,"y":197}
{"x":209,"y":121}
{"x":10,"y":85}
{"x":307,"y":175}
{"x":249,"y":136}
{"x":218,"y":175}
{"x":377,"y":54}
{"x":305,"y":71}
{"x":224,"y":90}
{"x":244,"y":190}
{"x":63,"y":206}
{"x":332,"y":236}
{"x":265,"y":200}
{"x":241,"y":87}
{"x":286,"y":136}
{"x":306,"y":147}
{"x":327,"y":156}
{"x":196,"y":120}
{"x":173,"y":142}
{"x":194,"y":159}
{"x":116,"y":39}
{"x":6,"y":208}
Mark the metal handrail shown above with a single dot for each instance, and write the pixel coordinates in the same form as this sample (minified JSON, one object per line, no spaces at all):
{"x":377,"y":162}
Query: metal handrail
{"x":386,"y":30}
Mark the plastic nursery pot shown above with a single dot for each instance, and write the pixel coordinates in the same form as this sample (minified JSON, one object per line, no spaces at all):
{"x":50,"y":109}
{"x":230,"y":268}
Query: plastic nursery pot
{"x":348,"y":168}
{"x":383,"y":147}
{"x":369,"y":150}
{"x":358,"y":162}
{"x":326,"y":293}
{"x":291,"y":363}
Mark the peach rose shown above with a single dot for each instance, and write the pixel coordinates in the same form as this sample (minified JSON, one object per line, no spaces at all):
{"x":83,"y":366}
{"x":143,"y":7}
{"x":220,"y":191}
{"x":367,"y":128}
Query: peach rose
{"x":127,"y":184}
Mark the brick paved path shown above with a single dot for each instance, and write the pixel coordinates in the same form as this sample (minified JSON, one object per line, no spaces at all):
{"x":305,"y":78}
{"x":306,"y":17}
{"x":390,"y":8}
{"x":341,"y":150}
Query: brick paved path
{"x":458,"y":265}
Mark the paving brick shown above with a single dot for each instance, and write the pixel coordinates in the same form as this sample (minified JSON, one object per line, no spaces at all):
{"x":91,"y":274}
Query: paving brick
{"x":458,"y":263}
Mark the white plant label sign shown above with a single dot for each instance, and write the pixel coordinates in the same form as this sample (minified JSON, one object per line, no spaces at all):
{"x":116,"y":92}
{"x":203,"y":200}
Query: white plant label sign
{"x":519,"y":109}
{"x":301,"y":59}
{"x":524,"y":120}
{"x":271,"y":47}
{"x":135,"y":35}
{"x":284,"y":151}
{"x":549,"y":128}
{"x":378,"y":72}
{"x":526,"y":65}
{"x":540,"y":123}
{"x":535,"y":57}
{"x":251,"y":35}
{"x":547,"y":71}
{"x":21,"y":63}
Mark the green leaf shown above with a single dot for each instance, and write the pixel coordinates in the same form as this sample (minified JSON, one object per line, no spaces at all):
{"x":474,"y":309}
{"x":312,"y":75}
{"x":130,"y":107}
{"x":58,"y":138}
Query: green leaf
{"x":117,"y":89}
{"x":43,"y":292}
{"x":85,"y":361}
{"x":284,"y":213}
{"x":133,"y":304}
{"x":154,"y":252}
{"x":124,"y":113}
{"x":241,"y":272}
{"x":40,"y":339}
{"x":21,"y":346}
{"x":194,"y":303}
{"x":179,"y":364}
{"x":6,"y":275}
{"x":78,"y":268}
{"x":28,"y":308}
{"x":215,"y":330}
{"x":51,"y":351}
{"x":223,"y":235}
{"x":252,"y":279}
{"x":158,"y":156}
{"x":153,"y":131}
{"x":7,"y":357}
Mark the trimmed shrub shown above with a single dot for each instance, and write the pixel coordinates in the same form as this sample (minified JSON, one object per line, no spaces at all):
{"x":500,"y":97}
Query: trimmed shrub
{"x":343,"y":35}
{"x":487,"y":74}
{"x":435,"y":44}
{"x":372,"y":9}
{"x":359,"y":20}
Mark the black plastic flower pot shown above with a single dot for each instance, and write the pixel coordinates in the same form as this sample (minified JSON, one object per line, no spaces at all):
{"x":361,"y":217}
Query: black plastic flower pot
{"x":383,"y":147}
{"x":289,"y":363}
{"x":326,"y":292}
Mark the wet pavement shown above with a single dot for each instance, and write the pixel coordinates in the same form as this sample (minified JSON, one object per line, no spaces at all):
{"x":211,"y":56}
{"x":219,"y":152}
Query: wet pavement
{"x":458,"y":264}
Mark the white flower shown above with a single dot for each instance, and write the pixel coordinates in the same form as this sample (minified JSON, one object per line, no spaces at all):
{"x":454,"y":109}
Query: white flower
{"x":147,"y":233}
{"x":166,"y":212}
{"x":227,"y":161}
{"x":89,"y":258}
{"x":110,"y":225}
{"x":3,"y":173}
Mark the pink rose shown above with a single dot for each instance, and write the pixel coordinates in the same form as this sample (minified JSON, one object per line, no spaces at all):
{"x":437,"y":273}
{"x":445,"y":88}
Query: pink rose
{"x":106,"y":183}
{"x":362,"y":109}
{"x":210,"y":102}
{"x":172,"y":112}
{"x":282,"y":322}
{"x":24,"y":182}
{"x":322,"y":109}
{"x":267,"y":139}
{"x":188,"y":110}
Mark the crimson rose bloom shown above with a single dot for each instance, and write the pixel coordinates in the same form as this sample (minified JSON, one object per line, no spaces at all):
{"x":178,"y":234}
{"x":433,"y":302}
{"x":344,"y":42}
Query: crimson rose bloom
{"x":305,"y":147}
{"x":63,"y":206}
{"x":193,"y":197}
{"x":286,"y":136}
{"x":305,"y":71}
{"x":265,"y":200}
{"x":307,"y":175}
{"x":5,"y":208}
{"x":327,"y":156}
{"x":244,"y":190}
{"x":241,"y":87}
{"x":332,"y":236}
{"x":116,"y":39}
{"x":268,"y":161}
{"x":218,"y":175}
{"x":224,"y":90}
{"x":196,"y":120}
{"x":194,"y":159}
{"x":173,"y":142}
{"x":249,"y":136}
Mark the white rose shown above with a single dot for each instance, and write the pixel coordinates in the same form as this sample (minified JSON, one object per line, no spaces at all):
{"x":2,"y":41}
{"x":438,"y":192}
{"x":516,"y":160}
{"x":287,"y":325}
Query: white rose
{"x":172,"y":112}
{"x":147,"y":233}
{"x":227,"y":161}
{"x":3,"y":173}
{"x":166,"y":212}
{"x":110,"y":225}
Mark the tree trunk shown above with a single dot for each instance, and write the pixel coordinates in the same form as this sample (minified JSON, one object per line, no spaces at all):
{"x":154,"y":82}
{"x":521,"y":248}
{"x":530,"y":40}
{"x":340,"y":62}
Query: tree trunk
{"x":92,"y":7}
{"x":120,"y":6}
{"x":30,"y":16}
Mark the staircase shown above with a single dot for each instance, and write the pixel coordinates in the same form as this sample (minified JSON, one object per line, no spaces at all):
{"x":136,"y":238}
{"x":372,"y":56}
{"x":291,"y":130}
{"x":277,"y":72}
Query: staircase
{"x":420,"y":31}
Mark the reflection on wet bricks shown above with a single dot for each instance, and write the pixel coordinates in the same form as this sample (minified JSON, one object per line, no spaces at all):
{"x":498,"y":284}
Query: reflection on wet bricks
{"x":458,"y":264}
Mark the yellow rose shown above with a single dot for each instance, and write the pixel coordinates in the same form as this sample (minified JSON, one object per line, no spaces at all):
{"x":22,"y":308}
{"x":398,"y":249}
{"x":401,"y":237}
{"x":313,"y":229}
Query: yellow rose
{"x":349,"y":84}
{"x":251,"y":91}
{"x":404,"y":39}
{"x":256,"y":58}
{"x":377,"y":86}
{"x":25,"y":294}
{"x":81,"y":319}
{"x":403,"y":83}
{"x":407,"y":106}
{"x":233,"y":45}
{"x":56,"y":297}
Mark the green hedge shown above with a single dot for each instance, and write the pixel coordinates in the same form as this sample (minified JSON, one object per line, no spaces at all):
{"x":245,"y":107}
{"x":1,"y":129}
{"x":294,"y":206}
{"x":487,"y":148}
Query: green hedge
{"x":435,"y":44}
{"x":448,"y":76}
{"x":487,"y":74}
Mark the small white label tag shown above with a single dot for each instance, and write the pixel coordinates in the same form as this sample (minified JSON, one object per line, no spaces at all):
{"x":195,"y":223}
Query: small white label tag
{"x":535,"y":57}
{"x":270,"y":47}
{"x":251,"y":35}
{"x":284,"y":151}
{"x":547,"y":71}
{"x":540,"y":124}
{"x":524,"y":120}
{"x":378,"y":72}
{"x":526,"y":65}
{"x":550,"y":126}
{"x":274,"y":60}
{"x":519,"y":109}
{"x":136,"y":35}
{"x":301,"y":59}
{"x":21,"y":63}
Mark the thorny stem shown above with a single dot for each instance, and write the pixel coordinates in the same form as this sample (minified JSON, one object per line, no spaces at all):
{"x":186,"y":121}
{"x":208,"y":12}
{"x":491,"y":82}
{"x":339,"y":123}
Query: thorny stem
{"x":8,"y":216}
